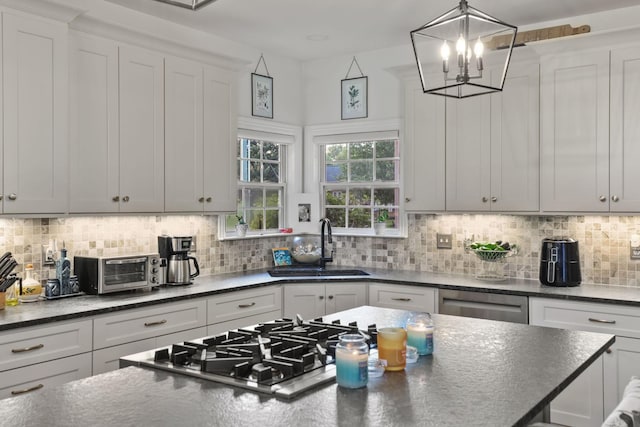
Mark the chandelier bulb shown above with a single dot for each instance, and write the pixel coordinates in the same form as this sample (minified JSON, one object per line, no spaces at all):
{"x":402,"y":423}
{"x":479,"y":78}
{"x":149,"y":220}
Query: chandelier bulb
{"x":445,"y":51}
{"x":478,"y":48}
{"x":461,"y":45}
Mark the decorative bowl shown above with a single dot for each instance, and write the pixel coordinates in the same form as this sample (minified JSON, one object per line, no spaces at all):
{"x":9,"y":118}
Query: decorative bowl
{"x":306,"y":249}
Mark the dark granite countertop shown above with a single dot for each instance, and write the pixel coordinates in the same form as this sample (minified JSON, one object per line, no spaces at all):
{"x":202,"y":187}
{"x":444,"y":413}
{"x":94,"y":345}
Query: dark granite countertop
{"x":29,"y":314}
{"x":482,"y":373}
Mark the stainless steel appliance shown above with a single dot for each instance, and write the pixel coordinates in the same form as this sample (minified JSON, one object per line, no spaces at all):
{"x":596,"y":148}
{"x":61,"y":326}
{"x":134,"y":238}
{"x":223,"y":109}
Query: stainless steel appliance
{"x":176,"y":251}
{"x":103,"y":275}
{"x":284,"y":357}
{"x":483,"y":305}
{"x":560,"y":262}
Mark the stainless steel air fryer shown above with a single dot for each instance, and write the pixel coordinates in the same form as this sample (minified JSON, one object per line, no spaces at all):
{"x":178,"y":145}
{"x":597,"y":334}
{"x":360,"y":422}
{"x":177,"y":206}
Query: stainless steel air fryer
{"x":560,"y":262}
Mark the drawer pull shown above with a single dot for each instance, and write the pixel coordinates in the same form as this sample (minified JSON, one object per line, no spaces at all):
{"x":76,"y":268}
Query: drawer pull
{"x":22,"y":350}
{"x":401,"y":299}
{"x":161,"y":322}
{"x":611,"y":322}
{"x":246,"y":305}
{"x":27,"y":390}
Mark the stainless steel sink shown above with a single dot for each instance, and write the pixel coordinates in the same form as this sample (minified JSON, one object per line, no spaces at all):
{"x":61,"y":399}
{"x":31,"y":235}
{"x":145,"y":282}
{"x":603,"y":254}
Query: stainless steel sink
{"x":314,"y":271}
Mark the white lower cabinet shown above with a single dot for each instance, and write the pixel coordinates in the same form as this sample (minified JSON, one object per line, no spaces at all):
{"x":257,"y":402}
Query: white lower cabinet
{"x":43,"y":356}
{"x":315,"y":300}
{"x":243,"y":308}
{"x":30,"y":379}
{"x":594,"y":394}
{"x":412,"y":298}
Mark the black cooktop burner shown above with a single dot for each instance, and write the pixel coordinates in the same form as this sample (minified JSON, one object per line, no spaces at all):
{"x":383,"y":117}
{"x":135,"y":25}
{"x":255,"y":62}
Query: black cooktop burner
{"x":284,"y":356}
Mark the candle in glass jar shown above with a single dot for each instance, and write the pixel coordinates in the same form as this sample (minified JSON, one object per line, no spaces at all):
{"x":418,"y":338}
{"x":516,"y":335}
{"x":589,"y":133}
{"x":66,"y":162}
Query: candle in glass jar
{"x":392,"y":347}
{"x":352,"y":357}
{"x":420,"y":336}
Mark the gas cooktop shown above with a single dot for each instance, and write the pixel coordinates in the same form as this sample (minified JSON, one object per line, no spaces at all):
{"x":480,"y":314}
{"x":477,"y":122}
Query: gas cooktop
{"x":283,"y":357}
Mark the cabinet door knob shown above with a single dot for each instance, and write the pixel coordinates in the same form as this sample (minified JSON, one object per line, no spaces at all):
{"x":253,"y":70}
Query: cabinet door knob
{"x":201,"y":199}
{"x":209,"y":199}
{"x":125,"y":199}
{"x":494,"y":199}
{"x":13,"y":196}
{"x":116,"y":198}
{"x":615,"y":198}
{"x":608,"y":351}
{"x":321,"y":297}
{"x":485,"y":200}
{"x":407,"y":199}
{"x":603,"y":199}
{"x":1,"y":197}
{"x":330,"y":297}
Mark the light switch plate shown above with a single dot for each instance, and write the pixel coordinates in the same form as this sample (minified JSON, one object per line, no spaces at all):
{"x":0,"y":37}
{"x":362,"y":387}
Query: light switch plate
{"x":445,"y":241}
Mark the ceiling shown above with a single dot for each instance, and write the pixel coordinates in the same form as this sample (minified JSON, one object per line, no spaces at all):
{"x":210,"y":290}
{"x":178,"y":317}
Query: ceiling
{"x":311,"y":29}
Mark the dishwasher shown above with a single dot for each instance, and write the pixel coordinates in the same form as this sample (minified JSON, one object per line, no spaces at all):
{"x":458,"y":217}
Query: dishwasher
{"x":484,"y":305}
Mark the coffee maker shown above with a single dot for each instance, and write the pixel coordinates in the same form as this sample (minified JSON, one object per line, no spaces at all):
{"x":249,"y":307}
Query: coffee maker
{"x":176,"y":251}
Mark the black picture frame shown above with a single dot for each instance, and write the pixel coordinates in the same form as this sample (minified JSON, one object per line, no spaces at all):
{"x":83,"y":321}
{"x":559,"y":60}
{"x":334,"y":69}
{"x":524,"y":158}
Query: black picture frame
{"x":354,"y":98}
{"x":261,"y":96}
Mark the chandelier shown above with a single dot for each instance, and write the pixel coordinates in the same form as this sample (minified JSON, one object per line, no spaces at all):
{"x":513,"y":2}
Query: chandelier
{"x":450,"y":52}
{"x":188,"y":4}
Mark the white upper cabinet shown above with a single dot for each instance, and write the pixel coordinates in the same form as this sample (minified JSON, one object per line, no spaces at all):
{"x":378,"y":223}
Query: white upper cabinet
{"x":492,"y":147}
{"x":625,"y":130}
{"x":423,"y":150}
{"x":575,"y":133}
{"x":141,"y":130}
{"x":117,"y":128}
{"x":35,"y":100}
{"x":94,"y":172}
{"x":199,"y":144}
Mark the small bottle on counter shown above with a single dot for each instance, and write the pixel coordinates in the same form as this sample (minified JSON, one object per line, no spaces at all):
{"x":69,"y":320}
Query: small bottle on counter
{"x":63,"y":271}
{"x":352,"y":359}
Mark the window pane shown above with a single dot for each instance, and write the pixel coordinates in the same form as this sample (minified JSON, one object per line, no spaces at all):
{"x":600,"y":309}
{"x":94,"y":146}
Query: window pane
{"x":385,"y":196}
{"x":254,"y":171}
{"x":273,"y":219}
{"x":271,"y":151}
{"x":254,"y":219}
{"x":386,"y":170}
{"x":272,"y":198}
{"x":335,"y":152}
{"x":362,"y":171}
{"x":360,"y":196}
{"x":386,"y":149}
{"x":254,"y":197}
{"x":335,"y":197}
{"x":254,"y":149}
{"x":271,"y":172}
{"x":360,"y":218}
{"x":361,"y":150}
{"x":336,"y":172}
{"x":336,"y":216}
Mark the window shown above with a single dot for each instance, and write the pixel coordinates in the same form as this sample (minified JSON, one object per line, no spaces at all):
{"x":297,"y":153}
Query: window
{"x":261,"y":186}
{"x":361,"y":181}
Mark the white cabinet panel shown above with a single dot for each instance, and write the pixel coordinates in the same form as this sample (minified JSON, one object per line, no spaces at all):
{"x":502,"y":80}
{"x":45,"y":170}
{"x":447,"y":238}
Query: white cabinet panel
{"x":35,"y":105}
{"x":575,"y":133}
{"x":620,"y":365}
{"x":35,"y":344}
{"x":30,"y":379}
{"x":218,"y":328}
{"x":625,"y":130}
{"x":423,"y":150}
{"x":315,"y":300}
{"x":413,"y":298}
{"x":137,"y":324}
{"x":94,"y":153}
{"x":339,"y":297}
{"x":243,"y":304}
{"x":141,"y":130}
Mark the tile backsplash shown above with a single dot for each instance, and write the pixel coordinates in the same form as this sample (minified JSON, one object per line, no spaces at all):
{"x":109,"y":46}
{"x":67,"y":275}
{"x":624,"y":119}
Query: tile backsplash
{"x":604,"y":243}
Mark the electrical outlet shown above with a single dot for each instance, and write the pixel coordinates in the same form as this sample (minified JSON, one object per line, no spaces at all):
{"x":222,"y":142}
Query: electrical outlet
{"x":48,"y":255}
{"x":445,"y":241}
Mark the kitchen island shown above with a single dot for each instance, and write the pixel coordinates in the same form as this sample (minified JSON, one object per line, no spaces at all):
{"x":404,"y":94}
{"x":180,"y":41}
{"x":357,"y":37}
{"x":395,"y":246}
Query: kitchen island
{"x":482,"y":373}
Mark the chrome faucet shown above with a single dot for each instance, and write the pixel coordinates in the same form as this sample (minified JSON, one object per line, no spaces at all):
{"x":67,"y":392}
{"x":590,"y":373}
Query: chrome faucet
{"x":325,"y":224}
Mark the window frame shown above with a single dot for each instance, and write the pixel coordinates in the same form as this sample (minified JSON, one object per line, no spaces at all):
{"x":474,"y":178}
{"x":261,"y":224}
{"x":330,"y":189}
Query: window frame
{"x":284,"y":134}
{"x":315,"y":138}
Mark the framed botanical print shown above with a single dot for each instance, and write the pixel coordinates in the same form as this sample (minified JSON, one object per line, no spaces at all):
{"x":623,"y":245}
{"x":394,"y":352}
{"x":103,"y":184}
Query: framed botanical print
{"x":261,"y":96}
{"x":354,"y":98}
